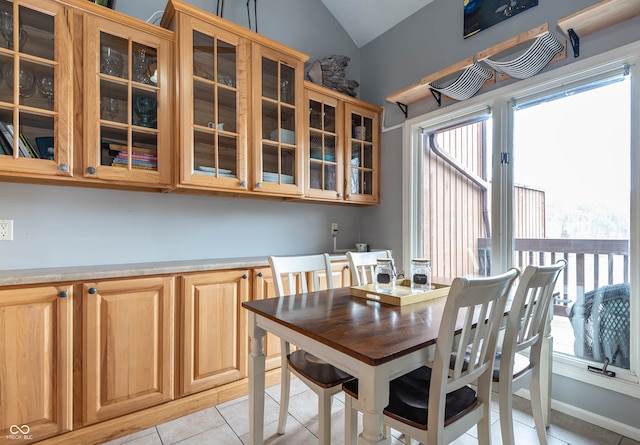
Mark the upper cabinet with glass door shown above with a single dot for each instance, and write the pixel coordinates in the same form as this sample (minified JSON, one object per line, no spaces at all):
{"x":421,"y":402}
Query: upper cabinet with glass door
{"x":212,"y":100}
{"x":278,"y":102}
{"x":35,"y":89}
{"x":324,"y":137}
{"x":127,"y":102}
{"x":362,"y":129}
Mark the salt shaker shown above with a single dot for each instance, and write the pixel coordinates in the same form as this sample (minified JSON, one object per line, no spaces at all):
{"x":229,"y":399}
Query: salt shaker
{"x":420,"y":274}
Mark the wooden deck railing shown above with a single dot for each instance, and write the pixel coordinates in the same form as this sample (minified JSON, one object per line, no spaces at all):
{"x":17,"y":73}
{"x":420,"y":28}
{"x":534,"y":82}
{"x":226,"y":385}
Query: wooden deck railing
{"x":591,"y":263}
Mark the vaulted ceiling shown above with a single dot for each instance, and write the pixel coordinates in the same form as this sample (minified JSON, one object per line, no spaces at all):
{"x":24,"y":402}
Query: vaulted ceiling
{"x":364,"y":20}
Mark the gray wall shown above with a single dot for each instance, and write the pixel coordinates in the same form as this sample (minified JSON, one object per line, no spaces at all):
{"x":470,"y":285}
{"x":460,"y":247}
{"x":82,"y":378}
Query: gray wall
{"x":427,"y":42}
{"x":67,"y":226}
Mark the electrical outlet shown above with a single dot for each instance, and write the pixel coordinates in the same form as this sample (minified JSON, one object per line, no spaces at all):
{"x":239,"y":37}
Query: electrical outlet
{"x":334,"y":228}
{"x":6,"y":229}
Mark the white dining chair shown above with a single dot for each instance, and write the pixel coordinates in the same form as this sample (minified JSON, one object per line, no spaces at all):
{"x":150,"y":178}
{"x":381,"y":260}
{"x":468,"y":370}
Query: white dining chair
{"x":363,"y":264}
{"x":302,"y":275}
{"x":436,"y":404}
{"x":525,"y":330}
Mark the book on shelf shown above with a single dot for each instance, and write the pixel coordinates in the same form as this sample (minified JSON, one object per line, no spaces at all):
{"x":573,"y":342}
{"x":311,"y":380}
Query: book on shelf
{"x":136,"y":155}
{"x":134,"y":162}
{"x":22,"y":146}
{"x":8,"y":136}
{"x":7,"y":148}
{"x":32,"y":151}
{"x":119,"y":147}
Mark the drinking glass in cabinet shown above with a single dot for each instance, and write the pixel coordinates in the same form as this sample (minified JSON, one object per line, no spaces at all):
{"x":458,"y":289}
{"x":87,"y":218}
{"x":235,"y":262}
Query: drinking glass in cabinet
{"x":145,"y":109}
{"x":7,"y":26}
{"x":144,"y":68}
{"x":111,"y":63}
{"x":26,"y":79}
{"x":109,"y":108}
{"x":45,"y":87}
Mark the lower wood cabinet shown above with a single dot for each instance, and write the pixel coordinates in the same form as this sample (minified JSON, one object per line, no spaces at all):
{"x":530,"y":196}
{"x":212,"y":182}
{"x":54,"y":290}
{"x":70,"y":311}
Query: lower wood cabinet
{"x":74,"y":355}
{"x":213,"y":329}
{"x":264,"y":287}
{"x":128,"y":346}
{"x":341,"y":273}
{"x":36,"y":358}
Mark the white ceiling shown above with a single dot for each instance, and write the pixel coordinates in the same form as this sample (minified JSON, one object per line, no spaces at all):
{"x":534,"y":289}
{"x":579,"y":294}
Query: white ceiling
{"x":364,"y":20}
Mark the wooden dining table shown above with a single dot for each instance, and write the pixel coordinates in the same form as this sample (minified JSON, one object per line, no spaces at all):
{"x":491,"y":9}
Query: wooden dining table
{"x":372,"y":341}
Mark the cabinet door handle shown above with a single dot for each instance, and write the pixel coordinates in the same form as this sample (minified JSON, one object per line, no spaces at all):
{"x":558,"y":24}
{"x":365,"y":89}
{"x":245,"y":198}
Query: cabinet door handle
{"x":92,"y":290}
{"x":260,"y":274}
{"x":63,"y":294}
{"x":243,"y":183}
{"x":91,"y":170}
{"x":244,"y":276}
{"x":63,"y":167}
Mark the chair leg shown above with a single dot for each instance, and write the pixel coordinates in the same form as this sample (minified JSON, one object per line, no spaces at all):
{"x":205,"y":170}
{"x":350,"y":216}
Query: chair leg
{"x":285,"y":384}
{"x":505,"y":404}
{"x":535,"y":391}
{"x":350,"y":421}
{"x":324,"y":419}
{"x":484,"y":426}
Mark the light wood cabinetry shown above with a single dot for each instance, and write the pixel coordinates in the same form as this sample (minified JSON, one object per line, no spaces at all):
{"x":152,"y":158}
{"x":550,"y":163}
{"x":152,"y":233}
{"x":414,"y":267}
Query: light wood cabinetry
{"x":36,"y":95}
{"x":324,"y":134}
{"x":128,"y":347}
{"x":342,"y":142}
{"x":127,"y":92}
{"x":77,"y":56}
{"x":239,"y":106}
{"x":264,"y":287}
{"x":278,"y":100}
{"x":35,"y":362}
{"x":212,"y":103}
{"x":213,"y":329}
{"x":362,"y":155}
{"x":341,"y":273}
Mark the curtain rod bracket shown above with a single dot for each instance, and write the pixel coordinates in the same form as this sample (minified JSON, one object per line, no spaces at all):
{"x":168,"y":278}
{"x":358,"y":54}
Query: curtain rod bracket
{"x":575,"y":42}
{"x":437,"y":95}
{"x":404,"y":108}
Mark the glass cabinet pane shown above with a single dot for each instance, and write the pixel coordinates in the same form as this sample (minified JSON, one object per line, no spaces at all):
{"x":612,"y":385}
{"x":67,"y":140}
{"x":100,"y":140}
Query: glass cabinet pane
{"x":322,"y":146}
{"x":278,"y":122}
{"x":362,"y":155}
{"x":128,"y":103}
{"x":215,"y":110}
{"x":29,"y":85}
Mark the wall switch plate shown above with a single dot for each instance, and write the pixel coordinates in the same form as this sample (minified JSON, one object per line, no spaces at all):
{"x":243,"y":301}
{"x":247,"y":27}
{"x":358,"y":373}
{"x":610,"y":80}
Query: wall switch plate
{"x":334,"y":228}
{"x":6,"y":229}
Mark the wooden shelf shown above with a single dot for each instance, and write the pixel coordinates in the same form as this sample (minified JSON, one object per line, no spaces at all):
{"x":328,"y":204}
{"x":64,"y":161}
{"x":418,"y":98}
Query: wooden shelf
{"x":415,"y":92}
{"x":597,"y":17}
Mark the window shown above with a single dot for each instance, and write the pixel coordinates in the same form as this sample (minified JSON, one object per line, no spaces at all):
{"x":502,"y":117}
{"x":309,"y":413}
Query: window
{"x":532,"y":172}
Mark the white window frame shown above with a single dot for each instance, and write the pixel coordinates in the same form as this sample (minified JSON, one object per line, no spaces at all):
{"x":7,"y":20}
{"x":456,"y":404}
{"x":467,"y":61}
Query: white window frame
{"x":499,"y":101}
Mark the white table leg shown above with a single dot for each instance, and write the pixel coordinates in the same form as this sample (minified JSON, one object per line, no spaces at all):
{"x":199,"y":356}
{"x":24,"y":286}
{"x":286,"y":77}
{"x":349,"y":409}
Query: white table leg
{"x":256,"y":383}
{"x":374,"y":391}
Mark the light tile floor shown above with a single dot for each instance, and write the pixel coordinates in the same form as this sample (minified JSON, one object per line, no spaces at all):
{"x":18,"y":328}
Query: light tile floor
{"x":228,"y":424}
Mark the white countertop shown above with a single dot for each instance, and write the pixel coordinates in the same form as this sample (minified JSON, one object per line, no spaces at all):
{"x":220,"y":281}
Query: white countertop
{"x":82,"y":273}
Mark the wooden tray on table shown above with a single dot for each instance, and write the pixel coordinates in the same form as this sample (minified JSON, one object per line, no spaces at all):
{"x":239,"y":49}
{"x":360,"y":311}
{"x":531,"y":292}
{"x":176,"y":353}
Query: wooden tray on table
{"x":402,"y":295}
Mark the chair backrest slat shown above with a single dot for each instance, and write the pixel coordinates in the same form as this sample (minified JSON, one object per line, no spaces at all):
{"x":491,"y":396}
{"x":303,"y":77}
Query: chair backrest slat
{"x":363,"y":264}
{"x":302,"y":273}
